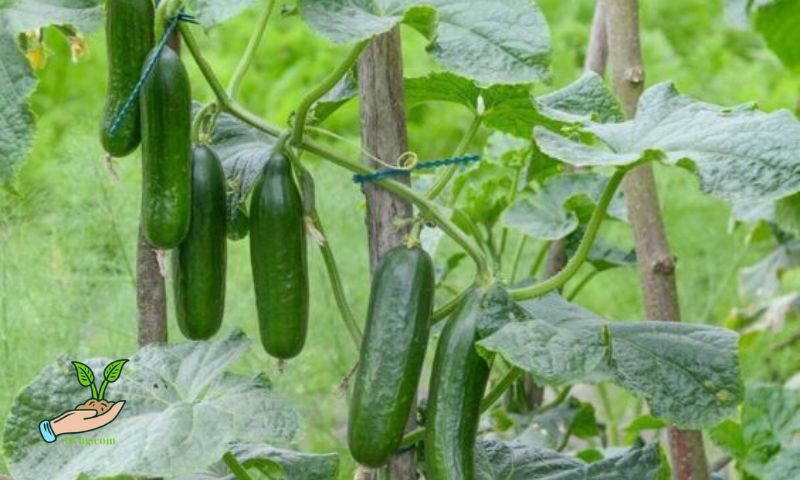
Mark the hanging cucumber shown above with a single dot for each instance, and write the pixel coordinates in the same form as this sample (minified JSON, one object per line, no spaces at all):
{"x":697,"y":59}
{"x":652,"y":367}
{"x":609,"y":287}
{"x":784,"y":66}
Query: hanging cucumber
{"x":198,"y":264}
{"x":392,"y":353}
{"x":129,"y":38}
{"x":166,"y":108}
{"x":458,"y":380}
{"x":278,"y":259}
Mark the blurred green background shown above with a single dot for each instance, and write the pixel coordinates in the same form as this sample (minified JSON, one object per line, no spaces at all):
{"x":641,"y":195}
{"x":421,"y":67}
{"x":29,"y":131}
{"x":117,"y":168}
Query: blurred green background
{"x":68,"y":225}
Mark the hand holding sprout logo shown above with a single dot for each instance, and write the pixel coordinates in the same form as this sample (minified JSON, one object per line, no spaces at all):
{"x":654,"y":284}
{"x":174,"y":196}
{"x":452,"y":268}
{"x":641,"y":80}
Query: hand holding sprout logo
{"x":92,"y":414}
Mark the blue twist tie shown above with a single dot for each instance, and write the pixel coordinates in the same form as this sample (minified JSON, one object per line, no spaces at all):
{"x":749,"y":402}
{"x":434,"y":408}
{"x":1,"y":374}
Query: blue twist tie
{"x":390,"y":172}
{"x":148,"y":70}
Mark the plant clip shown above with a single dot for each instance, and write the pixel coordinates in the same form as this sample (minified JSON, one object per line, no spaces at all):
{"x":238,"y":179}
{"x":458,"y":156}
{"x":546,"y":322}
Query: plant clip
{"x":389,"y":172}
{"x":148,"y":70}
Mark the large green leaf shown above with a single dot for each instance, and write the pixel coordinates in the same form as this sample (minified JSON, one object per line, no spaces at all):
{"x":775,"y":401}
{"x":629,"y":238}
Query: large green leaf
{"x":763,"y":444}
{"x":763,"y":279}
{"x":182,"y":411}
{"x":498,"y":42}
{"x":776,"y":21}
{"x":16,"y":120}
{"x":496,"y":460}
{"x":23,"y":15}
{"x":244,"y":151}
{"x":740,"y":154}
{"x":586,"y":98}
{"x":688,"y":373}
{"x":563,"y":203}
{"x":279,"y":463}
{"x":213,"y":12}
{"x":552,"y":427}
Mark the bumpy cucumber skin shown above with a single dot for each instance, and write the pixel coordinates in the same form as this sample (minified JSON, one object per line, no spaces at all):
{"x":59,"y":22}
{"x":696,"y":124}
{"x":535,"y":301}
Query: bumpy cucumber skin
{"x":129,"y":38}
{"x":458,"y":381}
{"x":278,"y":259}
{"x":166,"y":112}
{"x":392,"y":354}
{"x":199,"y":262}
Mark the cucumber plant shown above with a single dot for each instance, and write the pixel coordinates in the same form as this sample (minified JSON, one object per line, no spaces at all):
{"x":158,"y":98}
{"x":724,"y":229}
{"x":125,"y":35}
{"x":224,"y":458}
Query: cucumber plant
{"x":551,"y":172}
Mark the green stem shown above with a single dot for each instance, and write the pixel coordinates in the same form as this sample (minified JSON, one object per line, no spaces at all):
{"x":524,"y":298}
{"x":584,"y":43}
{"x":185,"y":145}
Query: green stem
{"x":94,"y":392}
{"x":449,"y":306}
{"x":425,"y":206}
{"x":250,"y":50}
{"x":165,"y":10}
{"x":336,"y":283}
{"x":517,"y":257}
{"x":577,"y":260}
{"x":102,"y":391}
{"x":560,"y":398}
{"x":461,"y":149}
{"x":494,"y":394}
{"x":537,"y":263}
{"x":500,"y":387}
{"x":317,"y":92}
{"x":613,"y":434}
{"x":512,"y":196}
{"x":235,"y":467}
{"x":584,"y":281}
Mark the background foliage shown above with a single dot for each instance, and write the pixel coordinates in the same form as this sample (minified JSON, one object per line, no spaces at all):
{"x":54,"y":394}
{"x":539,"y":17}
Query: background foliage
{"x":68,"y":221}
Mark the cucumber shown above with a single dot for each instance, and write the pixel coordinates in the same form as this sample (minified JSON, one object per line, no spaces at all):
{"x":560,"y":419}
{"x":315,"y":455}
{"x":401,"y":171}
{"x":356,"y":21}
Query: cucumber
{"x":166,"y":109}
{"x":129,"y":38}
{"x":392,"y":353}
{"x":278,"y":259}
{"x":199,"y":262}
{"x":458,"y":381}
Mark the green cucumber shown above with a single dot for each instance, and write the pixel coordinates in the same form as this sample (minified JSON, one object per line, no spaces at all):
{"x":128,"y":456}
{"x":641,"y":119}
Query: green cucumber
{"x":458,"y":381}
{"x":129,"y":38}
{"x":166,"y":110}
{"x":392,"y":353}
{"x":278,"y":259}
{"x":200,"y":260}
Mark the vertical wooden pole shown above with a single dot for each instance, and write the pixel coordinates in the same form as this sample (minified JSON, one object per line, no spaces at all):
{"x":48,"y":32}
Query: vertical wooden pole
{"x":383,"y":134}
{"x":656,"y":265}
{"x":151,"y":295}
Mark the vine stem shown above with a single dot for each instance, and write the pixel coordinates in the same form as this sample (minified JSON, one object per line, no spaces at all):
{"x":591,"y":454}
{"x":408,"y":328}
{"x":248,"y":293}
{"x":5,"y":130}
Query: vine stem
{"x":494,"y":394}
{"x":577,"y":260}
{"x":235,"y":467}
{"x":517,"y":257}
{"x":537,"y":263}
{"x":449,"y":307}
{"x":438,"y":187}
{"x":301,"y":114}
{"x":336,"y":283}
{"x":584,"y":281}
{"x":250,"y":50}
{"x":426,"y":206}
{"x":512,"y":196}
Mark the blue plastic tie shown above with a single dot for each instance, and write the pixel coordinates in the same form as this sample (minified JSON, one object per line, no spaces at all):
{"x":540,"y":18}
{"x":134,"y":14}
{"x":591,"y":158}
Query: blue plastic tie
{"x":148,"y":70}
{"x":390,"y":172}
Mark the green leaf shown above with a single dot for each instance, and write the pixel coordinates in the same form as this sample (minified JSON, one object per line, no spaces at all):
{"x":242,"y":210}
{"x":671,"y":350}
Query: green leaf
{"x":341,"y":93}
{"x":689,"y":374}
{"x":113,"y":370}
{"x":16,"y":120}
{"x":212,"y":12}
{"x":740,"y":154}
{"x":512,"y":109}
{"x":281,"y":464}
{"x":584,"y":99}
{"x":496,"y":460}
{"x":85,"y":374}
{"x":243,"y":151}
{"x":505,"y":42}
{"x":182,"y":411}
{"x":563,"y":203}
{"x":787,"y":214}
{"x":764,"y":444}
{"x":480,"y":191}
{"x":640,"y":424}
{"x":776,"y":21}
{"x":23,"y":15}
{"x":552,"y":427}
{"x":762,"y":280}
{"x":497,"y":310}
